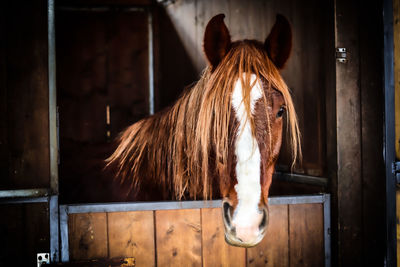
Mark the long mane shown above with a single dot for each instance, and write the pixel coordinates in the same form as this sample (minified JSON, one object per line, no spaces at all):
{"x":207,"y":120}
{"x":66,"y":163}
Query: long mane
{"x":184,"y":147}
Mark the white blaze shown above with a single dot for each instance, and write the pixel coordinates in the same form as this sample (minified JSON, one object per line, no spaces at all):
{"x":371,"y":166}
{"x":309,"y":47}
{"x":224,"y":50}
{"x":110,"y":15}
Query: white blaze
{"x":248,"y":158}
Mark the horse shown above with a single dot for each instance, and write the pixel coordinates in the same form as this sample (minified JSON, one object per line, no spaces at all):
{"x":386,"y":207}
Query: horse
{"x":222,"y":137}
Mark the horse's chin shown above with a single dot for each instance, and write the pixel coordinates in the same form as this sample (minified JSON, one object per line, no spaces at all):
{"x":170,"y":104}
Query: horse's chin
{"x":233,"y":241}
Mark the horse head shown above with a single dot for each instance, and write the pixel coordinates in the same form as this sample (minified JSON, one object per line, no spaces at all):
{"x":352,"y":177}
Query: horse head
{"x":222,"y":136}
{"x":259,"y":100}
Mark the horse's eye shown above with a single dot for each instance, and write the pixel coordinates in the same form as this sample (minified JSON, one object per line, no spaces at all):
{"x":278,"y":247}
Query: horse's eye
{"x":280,"y":112}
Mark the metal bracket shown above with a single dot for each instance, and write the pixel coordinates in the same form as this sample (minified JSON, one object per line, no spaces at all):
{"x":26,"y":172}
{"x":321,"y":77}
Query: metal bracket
{"x":396,"y":170}
{"x":42,"y":259}
{"x":341,"y":54}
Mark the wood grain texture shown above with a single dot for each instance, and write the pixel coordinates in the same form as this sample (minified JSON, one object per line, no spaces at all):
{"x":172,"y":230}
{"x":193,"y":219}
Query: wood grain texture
{"x":348,"y":188}
{"x":306,"y":235}
{"x":274,"y":248}
{"x":178,"y":238}
{"x":25,"y":120}
{"x":131,"y":234}
{"x":102,"y":59}
{"x":398,"y":225}
{"x":3,"y":96}
{"x":176,"y":31}
{"x":396,"y":51}
{"x":24,"y":231}
{"x":216,"y":252}
{"x":87,"y":236}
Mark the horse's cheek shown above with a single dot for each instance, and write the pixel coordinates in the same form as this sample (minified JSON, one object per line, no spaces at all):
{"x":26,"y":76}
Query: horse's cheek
{"x":267,"y":180}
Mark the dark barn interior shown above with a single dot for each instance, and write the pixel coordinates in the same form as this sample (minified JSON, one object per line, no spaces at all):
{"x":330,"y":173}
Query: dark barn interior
{"x":74,"y":74}
{"x":102,"y":61}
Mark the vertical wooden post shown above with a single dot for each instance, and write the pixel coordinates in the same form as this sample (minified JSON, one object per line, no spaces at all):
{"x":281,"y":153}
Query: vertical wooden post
{"x":347,"y":185}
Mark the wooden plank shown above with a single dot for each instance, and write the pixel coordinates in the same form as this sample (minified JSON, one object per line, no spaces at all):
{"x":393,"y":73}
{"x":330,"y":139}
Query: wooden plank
{"x":12,"y":235}
{"x":306,"y":235}
{"x":26,"y":92}
{"x":396,"y":51}
{"x":108,"y":67}
{"x":3,"y":96}
{"x":24,"y":231}
{"x":131,"y":234}
{"x":177,"y":38}
{"x":37,"y":230}
{"x":398,"y":225}
{"x":178,"y":238}
{"x":216,"y":252}
{"x":274,"y":249}
{"x":310,"y":25}
{"x":87,"y":236}
{"x":347,"y":190}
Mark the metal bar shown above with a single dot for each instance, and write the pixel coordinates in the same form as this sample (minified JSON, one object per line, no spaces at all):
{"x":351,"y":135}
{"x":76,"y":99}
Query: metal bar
{"x":102,"y":8}
{"x":23,"y":200}
{"x":389,"y":153}
{"x":54,"y":229}
{"x":64,"y":233}
{"x":65,"y":210}
{"x":327,"y":229}
{"x":151,"y":62}
{"x":303,"y":179}
{"x":170,"y":205}
{"x":300,"y":199}
{"x":139,"y":206}
{"x":29,"y":193}
{"x":52,"y":98}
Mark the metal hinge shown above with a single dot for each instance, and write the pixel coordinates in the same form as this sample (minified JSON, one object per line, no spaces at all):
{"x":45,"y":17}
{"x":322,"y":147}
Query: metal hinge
{"x":396,"y":170}
{"x":341,"y":54}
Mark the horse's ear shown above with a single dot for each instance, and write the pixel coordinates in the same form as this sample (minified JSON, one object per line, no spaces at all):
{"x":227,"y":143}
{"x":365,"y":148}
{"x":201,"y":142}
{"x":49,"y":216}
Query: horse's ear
{"x":217,"y":40}
{"x":279,"y":42}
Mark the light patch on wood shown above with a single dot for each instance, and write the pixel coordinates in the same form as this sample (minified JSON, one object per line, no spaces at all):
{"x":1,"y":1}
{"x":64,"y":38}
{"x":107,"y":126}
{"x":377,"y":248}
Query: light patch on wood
{"x":274,"y":248}
{"x":87,"y":236}
{"x":216,"y":252}
{"x":178,"y":237}
{"x":131,"y":234}
{"x":306,"y":230}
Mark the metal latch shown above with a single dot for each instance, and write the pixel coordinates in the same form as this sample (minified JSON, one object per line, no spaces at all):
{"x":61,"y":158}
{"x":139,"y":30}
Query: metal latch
{"x":396,"y":170}
{"x":42,"y":259}
{"x":341,"y":54}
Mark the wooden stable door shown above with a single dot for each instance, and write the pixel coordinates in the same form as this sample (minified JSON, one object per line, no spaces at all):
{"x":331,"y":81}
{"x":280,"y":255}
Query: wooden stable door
{"x":103,"y":87}
{"x":297,"y":235}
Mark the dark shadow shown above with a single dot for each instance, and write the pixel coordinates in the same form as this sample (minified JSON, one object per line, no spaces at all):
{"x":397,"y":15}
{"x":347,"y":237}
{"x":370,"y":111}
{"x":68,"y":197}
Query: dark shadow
{"x":175,"y":68}
{"x":102,"y":59}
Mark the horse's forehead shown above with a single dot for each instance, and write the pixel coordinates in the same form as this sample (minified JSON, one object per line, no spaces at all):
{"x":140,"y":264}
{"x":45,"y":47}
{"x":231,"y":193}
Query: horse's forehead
{"x":256,"y":93}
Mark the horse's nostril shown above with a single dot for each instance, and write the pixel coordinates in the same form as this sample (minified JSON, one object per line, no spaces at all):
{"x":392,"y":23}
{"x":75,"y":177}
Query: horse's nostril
{"x":233,"y":231}
{"x":264,"y":220}
{"x":227,"y":213}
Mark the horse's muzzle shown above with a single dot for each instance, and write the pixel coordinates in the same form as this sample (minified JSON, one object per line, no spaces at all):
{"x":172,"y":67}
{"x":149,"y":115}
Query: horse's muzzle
{"x":244,"y":235}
